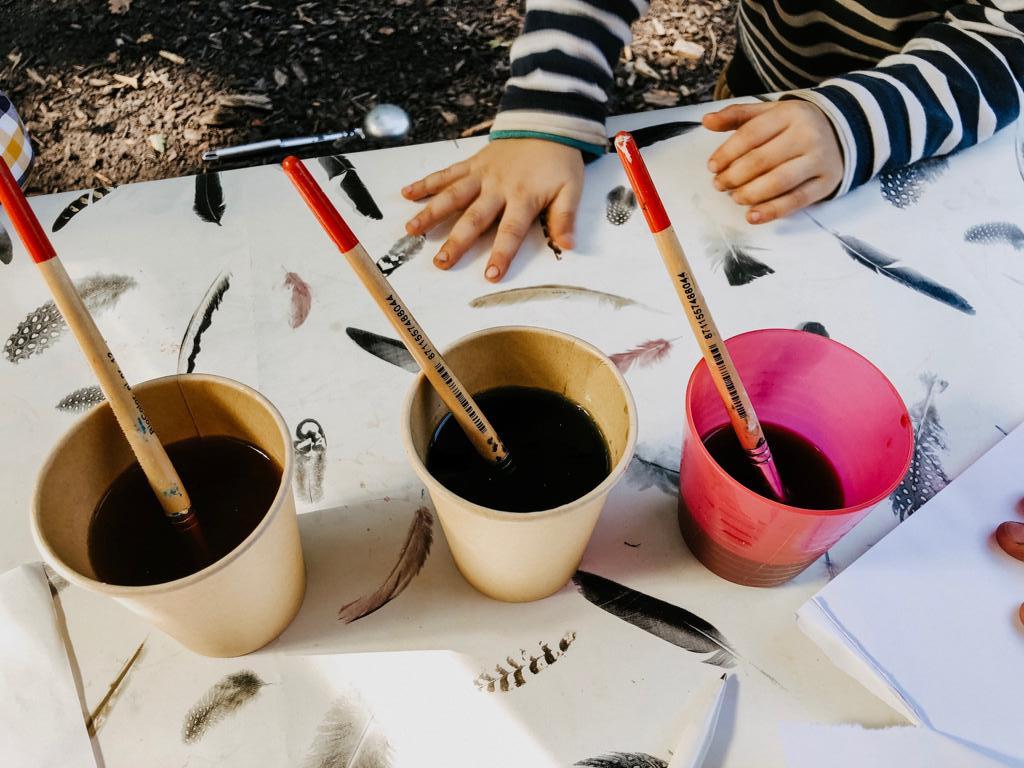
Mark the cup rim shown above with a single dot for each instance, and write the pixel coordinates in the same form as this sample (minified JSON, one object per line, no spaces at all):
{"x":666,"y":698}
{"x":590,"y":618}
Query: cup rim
{"x":125,"y":590}
{"x":602,"y":489}
{"x":741,"y":489}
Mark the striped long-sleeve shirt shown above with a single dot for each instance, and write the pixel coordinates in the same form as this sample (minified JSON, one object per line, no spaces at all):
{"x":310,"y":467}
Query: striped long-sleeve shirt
{"x":15,"y":147}
{"x":900,"y":80}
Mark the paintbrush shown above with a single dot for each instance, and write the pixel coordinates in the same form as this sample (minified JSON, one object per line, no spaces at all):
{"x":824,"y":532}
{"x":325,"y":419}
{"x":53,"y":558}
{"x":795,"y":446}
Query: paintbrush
{"x":699,"y":733}
{"x":716,"y":354}
{"x":152,"y":457}
{"x":447,"y":385}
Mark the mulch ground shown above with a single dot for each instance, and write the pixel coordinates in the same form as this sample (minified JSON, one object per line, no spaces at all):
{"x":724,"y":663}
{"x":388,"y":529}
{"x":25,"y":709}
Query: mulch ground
{"x":115,"y":91}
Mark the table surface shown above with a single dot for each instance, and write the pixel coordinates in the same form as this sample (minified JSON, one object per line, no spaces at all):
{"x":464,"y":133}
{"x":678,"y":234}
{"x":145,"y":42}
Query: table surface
{"x":617,"y":687}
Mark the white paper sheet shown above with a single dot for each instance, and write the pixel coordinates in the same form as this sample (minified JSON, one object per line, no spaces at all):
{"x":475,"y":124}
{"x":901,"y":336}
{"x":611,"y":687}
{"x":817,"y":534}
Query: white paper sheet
{"x":41,"y":719}
{"x":931,"y":612}
{"x":850,"y":746}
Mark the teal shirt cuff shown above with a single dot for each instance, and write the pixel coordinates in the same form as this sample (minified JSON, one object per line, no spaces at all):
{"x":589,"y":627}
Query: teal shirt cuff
{"x":582,"y":146}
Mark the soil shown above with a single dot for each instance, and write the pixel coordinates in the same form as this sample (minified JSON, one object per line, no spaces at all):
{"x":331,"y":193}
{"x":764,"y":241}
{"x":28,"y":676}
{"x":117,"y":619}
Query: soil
{"x":115,"y":91}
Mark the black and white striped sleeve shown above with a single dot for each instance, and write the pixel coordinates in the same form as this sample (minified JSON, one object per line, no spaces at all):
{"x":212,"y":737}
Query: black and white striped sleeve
{"x":562,"y":66}
{"x":956,"y":83}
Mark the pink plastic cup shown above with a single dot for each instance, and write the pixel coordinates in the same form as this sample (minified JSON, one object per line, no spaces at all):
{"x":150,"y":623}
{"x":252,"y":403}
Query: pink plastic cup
{"x":826,"y":393}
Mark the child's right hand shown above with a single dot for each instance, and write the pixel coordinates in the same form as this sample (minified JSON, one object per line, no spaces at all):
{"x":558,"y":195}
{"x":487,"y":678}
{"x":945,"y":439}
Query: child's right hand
{"x":512,"y":178}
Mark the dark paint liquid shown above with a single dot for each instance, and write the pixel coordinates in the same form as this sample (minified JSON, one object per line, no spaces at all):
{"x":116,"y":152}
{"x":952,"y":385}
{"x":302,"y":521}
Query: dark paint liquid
{"x":558,"y":452}
{"x":810,"y":480}
{"x":231,"y":484}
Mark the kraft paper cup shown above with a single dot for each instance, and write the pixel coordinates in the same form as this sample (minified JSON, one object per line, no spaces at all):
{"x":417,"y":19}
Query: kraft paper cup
{"x":826,"y":393}
{"x":521,"y":556}
{"x":234,"y":606}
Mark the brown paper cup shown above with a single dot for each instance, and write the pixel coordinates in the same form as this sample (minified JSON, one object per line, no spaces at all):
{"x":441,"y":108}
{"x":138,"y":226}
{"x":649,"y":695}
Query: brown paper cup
{"x":516,"y":556}
{"x":242,"y":601}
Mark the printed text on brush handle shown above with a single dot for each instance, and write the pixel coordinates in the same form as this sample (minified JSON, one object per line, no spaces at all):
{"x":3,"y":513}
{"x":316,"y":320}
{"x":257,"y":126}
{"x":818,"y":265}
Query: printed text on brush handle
{"x":421,"y":341}
{"x":709,"y":332}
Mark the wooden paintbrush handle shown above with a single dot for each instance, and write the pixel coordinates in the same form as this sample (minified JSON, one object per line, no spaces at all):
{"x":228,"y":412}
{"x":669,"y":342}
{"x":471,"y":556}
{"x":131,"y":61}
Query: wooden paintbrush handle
{"x":442,"y":378}
{"x":133,"y":422}
{"x":448,"y":387}
{"x":716,"y":354}
{"x":152,"y":457}
{"x":729,"y":385}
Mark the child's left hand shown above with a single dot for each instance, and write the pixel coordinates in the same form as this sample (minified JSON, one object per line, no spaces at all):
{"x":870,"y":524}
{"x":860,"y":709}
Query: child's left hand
{"x":783,"y":157}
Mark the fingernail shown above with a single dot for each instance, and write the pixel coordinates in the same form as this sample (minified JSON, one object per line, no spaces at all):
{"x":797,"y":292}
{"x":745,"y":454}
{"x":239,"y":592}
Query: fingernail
{"x":712,"y":166}
{"x":406,"y":190}
{"x":492,"y":272}
{"x":718,"y":184}
{"x":566,"y":242}
{"x":412,"y":224}
{"x":441,"y":258}
{"x":755,"y":216}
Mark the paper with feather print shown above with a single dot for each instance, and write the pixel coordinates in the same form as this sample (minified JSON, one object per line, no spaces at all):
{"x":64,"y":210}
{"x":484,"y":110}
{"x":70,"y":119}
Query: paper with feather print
{"x":318,"y":370}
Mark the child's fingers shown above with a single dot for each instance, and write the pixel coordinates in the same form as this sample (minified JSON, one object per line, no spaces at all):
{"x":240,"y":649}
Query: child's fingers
{"x":516,"y":222}
{"x":471,"y":224}
{"x":758,"y":131}
{"x":757,"y":162}
{"x":452,"y":198}
{"x":811,"y":191}
{"x":562,"y":215}
{"x":435,"y":182}
{"x":776,"y":182}
{"x":733,"y":116}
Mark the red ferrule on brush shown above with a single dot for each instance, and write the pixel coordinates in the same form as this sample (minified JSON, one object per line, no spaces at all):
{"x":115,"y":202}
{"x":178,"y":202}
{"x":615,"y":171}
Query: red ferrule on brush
{"x":318,"y":203}
{"x":639,"y":178}
{"x":24,"y":220}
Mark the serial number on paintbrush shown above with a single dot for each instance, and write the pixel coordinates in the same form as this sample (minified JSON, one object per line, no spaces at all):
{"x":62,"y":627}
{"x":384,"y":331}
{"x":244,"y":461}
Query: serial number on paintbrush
{"x":698,"y":311}
{"x":411,"y":329}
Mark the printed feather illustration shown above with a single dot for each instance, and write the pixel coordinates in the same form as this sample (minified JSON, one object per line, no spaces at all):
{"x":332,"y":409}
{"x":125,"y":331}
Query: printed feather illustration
{"x":885,"y":265}
{"x":222,"y":700}
{"x":42,"y":327}
{"x":830,"y":567}
{"x":996,"y":232}
{"x":652,"y":134}
{"x":543,"y":219}
{"x":623,"y":760}
{"x":904,"y":186}
{"x":209,"y":199}
{"x":619,"y":205}
{"x":90,"y":197}
{"x":201,"y":319}
{"x":99,"y":714}
{"x":6,"y":246}
{"x":643,"y":474}
{"x":399,"y":253}
{"x":506,"y":679}
{"x":81,"y":400}
{"x":1018,"y":147}
{"x":349,"y":736}
{"x":642,"y":355}
{"x":926,"y":475}
{"x":814,"y":327}
{"x":57,"y":582}
{"x":351,"y":185}
{"x":410,"y":561}
{"x":302,"y":299}
{"x":550,"y":293}
{"x":669,"y":622}
{"x":387,"y":349}
{"x":727,"y":250}
{"x":310,"y":459}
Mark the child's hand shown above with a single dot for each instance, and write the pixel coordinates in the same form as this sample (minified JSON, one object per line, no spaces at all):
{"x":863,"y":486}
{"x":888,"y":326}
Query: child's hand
{"x":783,"y":157}
{"x":521,"y":177}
